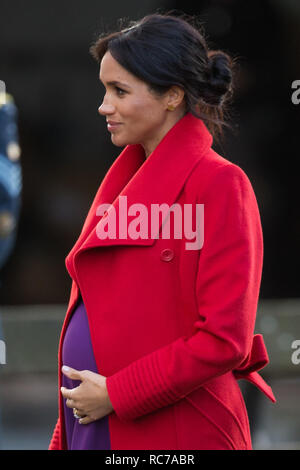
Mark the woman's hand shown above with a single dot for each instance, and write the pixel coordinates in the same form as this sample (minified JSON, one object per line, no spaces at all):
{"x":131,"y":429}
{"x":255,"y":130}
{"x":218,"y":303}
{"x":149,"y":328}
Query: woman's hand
{"x":90,"y":398}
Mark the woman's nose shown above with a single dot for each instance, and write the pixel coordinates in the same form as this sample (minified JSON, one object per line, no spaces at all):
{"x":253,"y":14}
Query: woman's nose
{"x":106,"y":108}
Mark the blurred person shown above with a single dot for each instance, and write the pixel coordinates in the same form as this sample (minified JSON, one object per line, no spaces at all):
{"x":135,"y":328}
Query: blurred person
{"x":156,"y":333}
{"x":10,"y":185}
{"x":10,"y":177}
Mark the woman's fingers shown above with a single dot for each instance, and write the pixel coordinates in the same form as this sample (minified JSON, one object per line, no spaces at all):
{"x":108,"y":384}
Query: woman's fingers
{"x":70,"y":403}
{"x":78,"y":413}
{"x":89,"y":398}
{"x":73,"y":374}
{"x":69,"y":395}
{"x":86,"y":420}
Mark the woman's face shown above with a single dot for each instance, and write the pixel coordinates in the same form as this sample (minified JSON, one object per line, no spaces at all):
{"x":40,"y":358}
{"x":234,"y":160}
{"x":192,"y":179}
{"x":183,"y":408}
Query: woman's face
{"x":143,"y":118}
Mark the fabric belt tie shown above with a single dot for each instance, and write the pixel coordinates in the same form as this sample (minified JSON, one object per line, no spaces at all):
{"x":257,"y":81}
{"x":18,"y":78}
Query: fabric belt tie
{"x":256,"y":360}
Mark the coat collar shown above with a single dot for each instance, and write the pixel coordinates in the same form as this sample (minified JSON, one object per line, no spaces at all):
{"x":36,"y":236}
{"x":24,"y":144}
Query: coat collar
{"x":155,"y":180}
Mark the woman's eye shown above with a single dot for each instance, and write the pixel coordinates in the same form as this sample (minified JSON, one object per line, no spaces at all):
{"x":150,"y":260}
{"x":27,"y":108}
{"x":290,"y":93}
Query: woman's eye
{"x":120,"y":91}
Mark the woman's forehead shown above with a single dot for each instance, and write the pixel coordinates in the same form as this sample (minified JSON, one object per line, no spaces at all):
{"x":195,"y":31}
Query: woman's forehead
{"x":112,"y":73}
{"x":110,"y":65}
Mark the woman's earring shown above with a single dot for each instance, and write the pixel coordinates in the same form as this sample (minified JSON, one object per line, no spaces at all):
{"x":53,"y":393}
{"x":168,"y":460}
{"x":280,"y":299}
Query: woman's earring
{"x":171,"y":107}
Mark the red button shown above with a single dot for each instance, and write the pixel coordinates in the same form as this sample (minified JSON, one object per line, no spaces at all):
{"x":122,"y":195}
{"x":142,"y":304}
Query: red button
{"x":167,"y":255}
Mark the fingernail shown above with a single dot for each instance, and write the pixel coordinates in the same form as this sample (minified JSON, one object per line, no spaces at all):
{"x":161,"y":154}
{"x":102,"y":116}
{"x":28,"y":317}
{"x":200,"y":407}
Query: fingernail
{"x":65,"y":368}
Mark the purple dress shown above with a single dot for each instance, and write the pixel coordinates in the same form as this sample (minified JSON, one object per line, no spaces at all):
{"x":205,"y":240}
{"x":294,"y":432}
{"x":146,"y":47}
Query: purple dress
{"x":78,"y":353}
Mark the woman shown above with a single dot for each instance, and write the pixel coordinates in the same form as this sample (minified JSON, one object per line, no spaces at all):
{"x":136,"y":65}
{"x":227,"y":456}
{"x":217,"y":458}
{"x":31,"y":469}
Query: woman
{"x":159,"y":328}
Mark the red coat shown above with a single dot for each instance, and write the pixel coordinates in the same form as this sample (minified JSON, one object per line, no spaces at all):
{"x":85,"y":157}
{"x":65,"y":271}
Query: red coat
{"x":173,"y":329}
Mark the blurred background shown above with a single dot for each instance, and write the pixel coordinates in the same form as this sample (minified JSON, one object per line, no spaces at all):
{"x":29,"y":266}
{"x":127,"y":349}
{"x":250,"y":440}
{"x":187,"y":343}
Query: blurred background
{"x":61,"y":151}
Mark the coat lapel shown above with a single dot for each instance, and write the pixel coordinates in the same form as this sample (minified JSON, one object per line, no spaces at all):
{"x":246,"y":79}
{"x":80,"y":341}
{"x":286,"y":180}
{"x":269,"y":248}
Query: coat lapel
{"x":155,"y":180}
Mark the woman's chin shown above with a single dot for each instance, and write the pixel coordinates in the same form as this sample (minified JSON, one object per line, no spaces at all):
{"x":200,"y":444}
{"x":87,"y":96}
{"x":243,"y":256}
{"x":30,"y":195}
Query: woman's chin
{"x":119,"y":141}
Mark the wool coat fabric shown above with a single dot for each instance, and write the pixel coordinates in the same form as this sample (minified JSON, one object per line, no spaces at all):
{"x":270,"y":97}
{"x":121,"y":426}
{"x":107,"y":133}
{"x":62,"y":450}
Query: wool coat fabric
{"x":172,"y":328}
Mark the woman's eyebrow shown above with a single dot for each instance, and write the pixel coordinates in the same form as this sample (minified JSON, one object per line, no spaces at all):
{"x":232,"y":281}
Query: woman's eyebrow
{"x":115,"y":82}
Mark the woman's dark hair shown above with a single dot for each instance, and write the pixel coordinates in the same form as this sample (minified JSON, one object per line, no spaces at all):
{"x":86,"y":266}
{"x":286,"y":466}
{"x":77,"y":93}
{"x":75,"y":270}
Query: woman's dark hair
{"x":165,"y":50}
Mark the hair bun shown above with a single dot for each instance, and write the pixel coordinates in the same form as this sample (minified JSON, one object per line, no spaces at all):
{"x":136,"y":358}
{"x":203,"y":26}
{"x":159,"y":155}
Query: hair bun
{"x":219,"y":77}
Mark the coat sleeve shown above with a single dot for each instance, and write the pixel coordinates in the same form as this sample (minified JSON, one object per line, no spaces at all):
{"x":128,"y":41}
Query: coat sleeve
{"x":227,"y":290}
{"x":55,"y":440}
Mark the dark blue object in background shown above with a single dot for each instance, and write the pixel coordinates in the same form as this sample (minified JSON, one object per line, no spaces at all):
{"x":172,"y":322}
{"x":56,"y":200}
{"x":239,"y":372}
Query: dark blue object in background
{"x":10,"y":183}
{"x":10,"y":177}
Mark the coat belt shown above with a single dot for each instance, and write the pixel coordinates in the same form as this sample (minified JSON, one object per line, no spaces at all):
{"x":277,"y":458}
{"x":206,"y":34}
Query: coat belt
{"x":256,"y":360}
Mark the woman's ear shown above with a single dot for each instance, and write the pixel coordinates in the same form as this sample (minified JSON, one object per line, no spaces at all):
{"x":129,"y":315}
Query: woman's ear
{"x":175,"y":97}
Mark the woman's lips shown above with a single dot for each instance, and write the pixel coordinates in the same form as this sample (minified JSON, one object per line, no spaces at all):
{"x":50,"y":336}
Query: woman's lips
{"x":112,"y":126}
